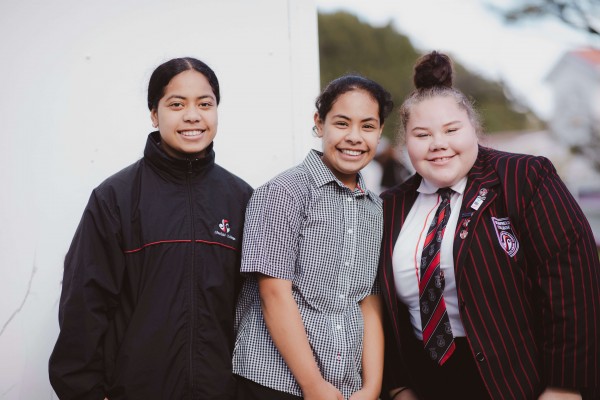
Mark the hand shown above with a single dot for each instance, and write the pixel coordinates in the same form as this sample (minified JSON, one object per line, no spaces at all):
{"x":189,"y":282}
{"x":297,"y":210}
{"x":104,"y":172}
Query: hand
{"x":554,"y":393}
{"x":364,"y":394}
{"x":407,"y":394}
{"x":321,"y":390}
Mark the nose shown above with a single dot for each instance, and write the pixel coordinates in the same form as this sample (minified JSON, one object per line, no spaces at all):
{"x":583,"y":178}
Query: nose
{"x":354,"y":135}
{"x":191,"y":115}
{"x":439,"y":142}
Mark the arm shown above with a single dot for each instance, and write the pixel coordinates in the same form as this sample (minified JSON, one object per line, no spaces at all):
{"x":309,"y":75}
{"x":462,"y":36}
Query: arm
{"x":559,"y":394}
{"x":93,"y":265}
{"x":564,"y":265}
{"x":372,"y":357}
{"x":286,"y":328}
{"x":395,"y":374}
{"x":403,"y":393}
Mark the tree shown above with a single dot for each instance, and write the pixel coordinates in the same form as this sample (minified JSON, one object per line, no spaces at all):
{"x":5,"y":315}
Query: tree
{"x":347,"y":45}
{"x":582,"y":15}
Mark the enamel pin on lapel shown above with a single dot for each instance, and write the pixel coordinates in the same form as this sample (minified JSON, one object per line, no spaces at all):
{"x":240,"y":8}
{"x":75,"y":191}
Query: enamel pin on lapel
{"x":466,"y":219}
{"x":480,"y":199}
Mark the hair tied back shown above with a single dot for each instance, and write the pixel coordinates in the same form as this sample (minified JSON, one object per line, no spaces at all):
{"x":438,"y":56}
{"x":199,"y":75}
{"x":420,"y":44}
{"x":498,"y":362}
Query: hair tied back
{"x":433,"y":70}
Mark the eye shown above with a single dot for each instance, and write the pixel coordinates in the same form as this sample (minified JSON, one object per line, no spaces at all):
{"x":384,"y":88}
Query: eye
{"x":176,"y":104}
{"x":341,"y":123}
{"x":206,"y":104}
{"x":369,"y":127}
{"x":422,"y":134}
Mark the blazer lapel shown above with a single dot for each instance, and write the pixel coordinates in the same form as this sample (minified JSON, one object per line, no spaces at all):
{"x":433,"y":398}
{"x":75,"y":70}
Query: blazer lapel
{"x":480,"y":192}
{"x":396,"y":206}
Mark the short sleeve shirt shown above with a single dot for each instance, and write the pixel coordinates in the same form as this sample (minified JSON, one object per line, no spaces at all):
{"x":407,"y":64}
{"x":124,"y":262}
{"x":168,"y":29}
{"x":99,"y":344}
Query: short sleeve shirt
{"x":305,"y":226}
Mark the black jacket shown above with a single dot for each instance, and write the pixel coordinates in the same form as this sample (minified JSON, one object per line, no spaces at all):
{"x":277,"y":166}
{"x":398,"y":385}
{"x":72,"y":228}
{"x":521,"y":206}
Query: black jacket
{"x":150,"y":281}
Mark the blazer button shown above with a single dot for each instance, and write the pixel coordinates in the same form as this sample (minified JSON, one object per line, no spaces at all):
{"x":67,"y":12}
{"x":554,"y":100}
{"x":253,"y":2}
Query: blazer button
{"x":461,"y":304}
{"x":480,"y":357}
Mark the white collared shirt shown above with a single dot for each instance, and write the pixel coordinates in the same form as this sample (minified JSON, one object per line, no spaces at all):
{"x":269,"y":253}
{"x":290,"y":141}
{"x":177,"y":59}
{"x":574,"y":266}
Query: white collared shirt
{"x":409,"y":246}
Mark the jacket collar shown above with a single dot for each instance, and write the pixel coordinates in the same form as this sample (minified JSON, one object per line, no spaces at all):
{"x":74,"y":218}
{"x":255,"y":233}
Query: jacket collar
{"x":482,"y":179}
{"x":177,"y":168}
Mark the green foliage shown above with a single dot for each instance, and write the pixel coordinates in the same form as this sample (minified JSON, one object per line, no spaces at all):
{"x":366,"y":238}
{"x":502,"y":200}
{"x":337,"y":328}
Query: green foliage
{"x":347,"y":45}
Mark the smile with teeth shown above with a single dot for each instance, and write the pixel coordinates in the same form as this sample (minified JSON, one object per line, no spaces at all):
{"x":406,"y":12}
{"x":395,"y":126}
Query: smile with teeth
{"x":191,"y":133}
{"x":352,"y":152}
{"x":441,"y":159}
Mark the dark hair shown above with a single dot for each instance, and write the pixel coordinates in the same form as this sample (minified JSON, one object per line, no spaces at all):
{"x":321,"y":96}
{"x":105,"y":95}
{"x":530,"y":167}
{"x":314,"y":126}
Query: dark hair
{"x":163,"y":74}
{"x":433,"y":75}
{"x":347,"y":83}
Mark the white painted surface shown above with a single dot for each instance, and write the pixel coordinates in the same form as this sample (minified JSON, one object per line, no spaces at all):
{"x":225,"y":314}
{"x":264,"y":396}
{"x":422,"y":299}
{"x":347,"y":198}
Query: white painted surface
{"x":73,"y":111}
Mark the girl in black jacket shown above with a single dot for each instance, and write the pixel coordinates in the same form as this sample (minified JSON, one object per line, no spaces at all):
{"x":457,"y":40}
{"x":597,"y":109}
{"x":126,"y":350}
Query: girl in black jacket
{"x":151,"y":277}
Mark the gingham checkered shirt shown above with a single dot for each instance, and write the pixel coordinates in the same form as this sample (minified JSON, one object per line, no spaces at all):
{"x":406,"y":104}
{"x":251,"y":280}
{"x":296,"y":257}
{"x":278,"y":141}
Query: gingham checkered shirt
{"x":307,"y":227}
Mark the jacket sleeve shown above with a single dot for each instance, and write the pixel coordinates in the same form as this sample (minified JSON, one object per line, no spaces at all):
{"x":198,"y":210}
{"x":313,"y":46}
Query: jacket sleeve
{"x":92,"y":274}
{"x":561,"y":251}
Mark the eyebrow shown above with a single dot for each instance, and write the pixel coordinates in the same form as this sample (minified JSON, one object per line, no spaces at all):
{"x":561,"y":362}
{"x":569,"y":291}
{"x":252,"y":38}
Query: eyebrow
{"x":348,"y":118}
{"x":416,"y":128}
{"x":178,"y":96}
{"x":452,"y":123}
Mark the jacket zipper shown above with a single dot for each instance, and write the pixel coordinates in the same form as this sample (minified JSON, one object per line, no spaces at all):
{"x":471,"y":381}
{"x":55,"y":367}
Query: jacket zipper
{"x":192,"y":303}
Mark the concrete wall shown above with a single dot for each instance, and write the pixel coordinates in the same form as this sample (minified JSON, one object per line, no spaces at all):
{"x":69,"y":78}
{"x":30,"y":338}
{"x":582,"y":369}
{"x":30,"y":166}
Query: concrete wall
{"x":73,"y":111}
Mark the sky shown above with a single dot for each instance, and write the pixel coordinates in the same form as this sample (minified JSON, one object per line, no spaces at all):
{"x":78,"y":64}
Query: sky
{"x":520,"y":55}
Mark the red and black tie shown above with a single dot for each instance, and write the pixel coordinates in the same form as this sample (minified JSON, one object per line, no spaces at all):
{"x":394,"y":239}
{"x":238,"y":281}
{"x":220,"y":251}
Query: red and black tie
{"x":437,"y":332}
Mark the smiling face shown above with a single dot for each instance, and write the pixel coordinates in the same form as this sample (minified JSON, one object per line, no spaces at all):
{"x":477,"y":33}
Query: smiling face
{"x":186,"y":115}
{"x":350,"y":133}
{"x":441,"y":141}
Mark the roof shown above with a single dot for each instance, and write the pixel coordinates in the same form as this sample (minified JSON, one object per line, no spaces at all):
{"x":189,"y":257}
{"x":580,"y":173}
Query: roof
{"x":590,"y":55}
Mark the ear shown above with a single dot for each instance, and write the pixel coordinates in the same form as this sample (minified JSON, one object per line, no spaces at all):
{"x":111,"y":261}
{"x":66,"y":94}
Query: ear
{"x":318,"y":125}
{"x":380,"y":133}
{"x":154,"y":118}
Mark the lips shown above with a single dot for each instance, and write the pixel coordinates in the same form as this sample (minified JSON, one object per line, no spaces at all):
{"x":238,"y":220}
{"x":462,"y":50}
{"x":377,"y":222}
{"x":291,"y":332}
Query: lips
{"x":352,"y":152}
{"x":440,"y":160}
{"x":191,"y":133}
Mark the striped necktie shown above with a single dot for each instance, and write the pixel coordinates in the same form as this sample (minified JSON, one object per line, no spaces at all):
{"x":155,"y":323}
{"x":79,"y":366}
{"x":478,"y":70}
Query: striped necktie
{"x":437,"y":332}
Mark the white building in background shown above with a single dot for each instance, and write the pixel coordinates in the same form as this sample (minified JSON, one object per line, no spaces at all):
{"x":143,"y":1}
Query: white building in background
{"x":575,"y":81}
{"x":73,"y":112}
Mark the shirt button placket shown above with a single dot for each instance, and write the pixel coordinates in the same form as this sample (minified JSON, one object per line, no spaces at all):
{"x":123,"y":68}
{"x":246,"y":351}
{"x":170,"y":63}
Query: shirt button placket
{"x":347,"y":256}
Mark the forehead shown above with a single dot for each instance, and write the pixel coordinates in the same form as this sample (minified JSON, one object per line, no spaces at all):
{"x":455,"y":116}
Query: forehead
{"x":439,"y":109}
{"x":356,"y":101}
{"x":188,"y":81}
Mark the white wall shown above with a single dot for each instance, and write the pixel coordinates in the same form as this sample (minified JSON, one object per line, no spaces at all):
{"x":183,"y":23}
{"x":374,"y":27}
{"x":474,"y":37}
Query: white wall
{"x":73,"y":111}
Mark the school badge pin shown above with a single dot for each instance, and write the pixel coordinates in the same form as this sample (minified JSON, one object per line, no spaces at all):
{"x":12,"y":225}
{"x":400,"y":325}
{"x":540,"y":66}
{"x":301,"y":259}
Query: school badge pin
{"x":508,"y":240}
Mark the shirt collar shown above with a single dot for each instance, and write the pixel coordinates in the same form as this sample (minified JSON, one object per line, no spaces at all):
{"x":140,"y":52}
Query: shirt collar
{"x":427,"y":187}
{"x":323,"y":175}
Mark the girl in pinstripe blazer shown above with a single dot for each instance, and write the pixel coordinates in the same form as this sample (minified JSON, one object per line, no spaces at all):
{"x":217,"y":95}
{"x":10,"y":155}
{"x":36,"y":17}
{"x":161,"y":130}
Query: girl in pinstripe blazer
{"x":518,"y":261}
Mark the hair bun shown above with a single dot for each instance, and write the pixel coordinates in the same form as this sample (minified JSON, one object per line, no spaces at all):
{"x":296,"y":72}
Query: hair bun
{"x":433,"y":69}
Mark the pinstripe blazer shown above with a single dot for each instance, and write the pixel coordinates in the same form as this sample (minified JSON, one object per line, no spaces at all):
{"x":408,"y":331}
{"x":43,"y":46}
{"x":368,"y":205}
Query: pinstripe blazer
{"x":527,"y":274}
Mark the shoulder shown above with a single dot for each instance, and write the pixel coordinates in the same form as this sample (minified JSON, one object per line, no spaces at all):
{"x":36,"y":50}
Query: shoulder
{"x":515,"y":165}
{"x":290,"y":189}
{"x":408,"y":186}
{"x":120,"y":181}
{"x":295,"y":181}
{"x":232,"y":181}
{"x":520,"y":176}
